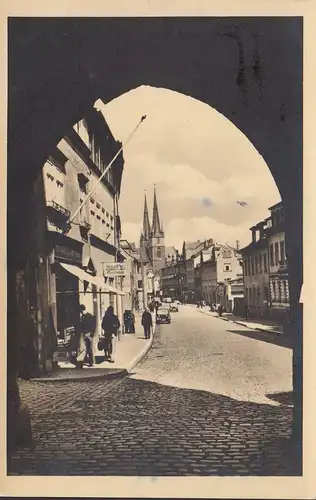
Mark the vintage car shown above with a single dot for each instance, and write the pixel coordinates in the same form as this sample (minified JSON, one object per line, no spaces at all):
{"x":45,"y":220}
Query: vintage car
{"x":174,"y":307}
{"x":163,"y":315}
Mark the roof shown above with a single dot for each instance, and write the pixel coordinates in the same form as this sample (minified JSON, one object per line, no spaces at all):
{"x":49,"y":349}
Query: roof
{"x":277,"y":205}
{"x":254,"y":246}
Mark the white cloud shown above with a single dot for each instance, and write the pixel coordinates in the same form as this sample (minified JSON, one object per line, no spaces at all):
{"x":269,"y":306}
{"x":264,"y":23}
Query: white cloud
{"x":195,"y":228}
{"x":191,"y":152}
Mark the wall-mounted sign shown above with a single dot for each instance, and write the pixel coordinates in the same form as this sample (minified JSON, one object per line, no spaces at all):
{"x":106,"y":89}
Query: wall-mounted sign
{"x":66,"y":253}
{"x":114,"y":269}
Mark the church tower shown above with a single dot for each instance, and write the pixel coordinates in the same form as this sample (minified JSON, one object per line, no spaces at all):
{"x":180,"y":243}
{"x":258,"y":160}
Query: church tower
{"x":145,"y":235}
{"x":157,"y":239}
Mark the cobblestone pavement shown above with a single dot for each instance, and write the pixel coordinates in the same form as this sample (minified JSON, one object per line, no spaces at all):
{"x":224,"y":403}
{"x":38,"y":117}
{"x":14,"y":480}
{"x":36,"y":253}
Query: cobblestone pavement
{"x":206,"y":400}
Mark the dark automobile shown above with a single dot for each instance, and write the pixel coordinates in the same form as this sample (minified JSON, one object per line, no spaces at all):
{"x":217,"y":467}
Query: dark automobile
{"x":163,"y":315}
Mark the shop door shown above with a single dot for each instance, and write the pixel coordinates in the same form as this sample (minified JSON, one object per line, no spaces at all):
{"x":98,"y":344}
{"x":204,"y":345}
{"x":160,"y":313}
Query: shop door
{"x":67,"y":300}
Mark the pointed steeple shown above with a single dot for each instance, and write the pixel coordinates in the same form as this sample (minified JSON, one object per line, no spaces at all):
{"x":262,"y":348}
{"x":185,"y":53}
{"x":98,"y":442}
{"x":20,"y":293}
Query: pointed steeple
{"x":146,"y":223}
{"x":156,"y":227}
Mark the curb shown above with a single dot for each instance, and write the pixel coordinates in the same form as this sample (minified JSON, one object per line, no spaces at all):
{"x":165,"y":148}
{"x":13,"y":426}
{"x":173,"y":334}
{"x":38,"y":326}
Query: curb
{"x":275,"y":332}
{"x":120,"y":373}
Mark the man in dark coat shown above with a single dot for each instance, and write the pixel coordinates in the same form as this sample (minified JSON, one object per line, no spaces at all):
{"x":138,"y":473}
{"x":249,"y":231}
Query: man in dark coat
{"x":110,"y":325}
{"x":87,"y":322}
{"x":147,"y":323}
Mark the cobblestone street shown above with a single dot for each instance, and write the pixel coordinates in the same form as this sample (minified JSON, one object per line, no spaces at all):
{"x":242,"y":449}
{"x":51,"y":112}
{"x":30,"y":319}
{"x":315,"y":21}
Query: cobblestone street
{"x":210,"y":398}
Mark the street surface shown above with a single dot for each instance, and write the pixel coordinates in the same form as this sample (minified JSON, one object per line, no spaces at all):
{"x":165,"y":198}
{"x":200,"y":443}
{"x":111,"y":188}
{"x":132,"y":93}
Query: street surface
{"x":210,"y":398}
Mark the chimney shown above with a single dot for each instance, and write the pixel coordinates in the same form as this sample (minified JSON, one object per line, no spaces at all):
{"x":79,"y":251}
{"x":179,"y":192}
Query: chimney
{"x":254,"y":236}
{"x":237,"y":244}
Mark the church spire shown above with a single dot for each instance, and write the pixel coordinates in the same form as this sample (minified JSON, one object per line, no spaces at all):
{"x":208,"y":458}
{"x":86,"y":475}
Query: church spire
{"x":146,"y":223}
{"x":156,"y":228}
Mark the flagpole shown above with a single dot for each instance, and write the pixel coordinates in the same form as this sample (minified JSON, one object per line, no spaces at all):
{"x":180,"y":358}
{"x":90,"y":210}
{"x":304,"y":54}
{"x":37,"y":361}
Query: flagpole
{"x":103,"y":174}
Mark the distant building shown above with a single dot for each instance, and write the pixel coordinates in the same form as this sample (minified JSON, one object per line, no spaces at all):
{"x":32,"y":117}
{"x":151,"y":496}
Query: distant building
{"x":152,"y":239}
{"x":265,"y":267}
{"x":132,"y":283}
{"x":215,"y":277}
{"x":278,"y":265}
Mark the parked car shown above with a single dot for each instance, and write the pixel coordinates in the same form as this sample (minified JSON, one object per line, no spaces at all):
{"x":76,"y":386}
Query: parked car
{"x":178,"y":302}
{"x":167,"y":300}
{"x":163,"y":315}
{"x":174,"y":307}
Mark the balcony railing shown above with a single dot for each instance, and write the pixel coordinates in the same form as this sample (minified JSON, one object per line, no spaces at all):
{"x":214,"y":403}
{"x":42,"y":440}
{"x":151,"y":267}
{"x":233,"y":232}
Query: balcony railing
{"x":85,"y":224}
{"x":54,"y":208}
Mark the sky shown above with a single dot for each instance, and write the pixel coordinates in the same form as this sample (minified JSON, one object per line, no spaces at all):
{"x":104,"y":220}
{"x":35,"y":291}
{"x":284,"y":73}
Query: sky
{"x":200,"y":162}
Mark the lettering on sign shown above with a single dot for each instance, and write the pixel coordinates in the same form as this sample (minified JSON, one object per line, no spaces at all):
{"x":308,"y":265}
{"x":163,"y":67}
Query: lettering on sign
{"x":115,"y":269}
{"x":66,"y":253}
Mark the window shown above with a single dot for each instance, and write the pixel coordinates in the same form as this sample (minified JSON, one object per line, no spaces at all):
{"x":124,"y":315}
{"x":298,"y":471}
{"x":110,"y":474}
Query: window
{"x":276,"y":246}
{"x":282,"y":251}
{"x":227,"y":267}
{"x":256,"y":261}
{"x":259,"y":296}
{"x":271,"y":255}
{"x":252,"y":266}
{"x":265,"y":262}
{"x":82,"y":181}
{"x":227,"y":253}
{"x":158,"y":253}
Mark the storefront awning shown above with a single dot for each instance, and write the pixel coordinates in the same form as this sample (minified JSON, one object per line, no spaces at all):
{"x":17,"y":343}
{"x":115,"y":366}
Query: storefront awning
{"x":94,"y":280}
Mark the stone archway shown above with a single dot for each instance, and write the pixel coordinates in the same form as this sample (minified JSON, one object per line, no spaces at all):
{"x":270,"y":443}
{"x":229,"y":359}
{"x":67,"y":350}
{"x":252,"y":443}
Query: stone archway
{"x":248,"y":69}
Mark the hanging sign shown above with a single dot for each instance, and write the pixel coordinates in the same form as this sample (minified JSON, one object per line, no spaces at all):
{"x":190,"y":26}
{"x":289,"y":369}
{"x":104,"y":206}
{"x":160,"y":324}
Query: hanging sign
{"x":114,"y":269}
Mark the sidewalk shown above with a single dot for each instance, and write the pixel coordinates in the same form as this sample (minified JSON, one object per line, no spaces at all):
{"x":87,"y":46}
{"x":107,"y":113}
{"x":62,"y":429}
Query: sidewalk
{"x":128,"y":351}
{"x":253,"y":324}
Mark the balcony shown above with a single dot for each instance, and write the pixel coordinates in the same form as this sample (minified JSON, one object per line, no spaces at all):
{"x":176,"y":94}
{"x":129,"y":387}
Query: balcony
{"x":57,"y":214}
{"x":84,"y":224}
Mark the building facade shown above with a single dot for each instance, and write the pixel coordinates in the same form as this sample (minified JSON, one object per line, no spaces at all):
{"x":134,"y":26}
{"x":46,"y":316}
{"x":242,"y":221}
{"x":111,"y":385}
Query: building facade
{"x":71,"y":261}
{"x":265,"y":267}
{"x":278,"y":268}
{"x":217,"y":274}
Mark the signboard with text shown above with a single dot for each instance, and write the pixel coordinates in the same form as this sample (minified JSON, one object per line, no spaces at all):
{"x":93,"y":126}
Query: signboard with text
{"x":114,"y":269}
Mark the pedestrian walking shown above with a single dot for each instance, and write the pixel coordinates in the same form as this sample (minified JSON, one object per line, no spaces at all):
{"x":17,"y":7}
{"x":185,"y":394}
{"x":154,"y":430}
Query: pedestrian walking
{"x":127,"y":321}
{"x":156,"y":307}
{"x":87,"y":324}
{"x":147,"y":323}
{"x":110,"y":325}
{"x":220,"y":310}
{"x":246,"y":312}
{"x":132,"y":322}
